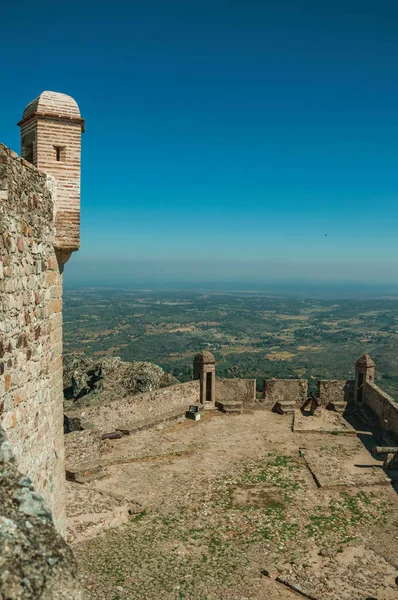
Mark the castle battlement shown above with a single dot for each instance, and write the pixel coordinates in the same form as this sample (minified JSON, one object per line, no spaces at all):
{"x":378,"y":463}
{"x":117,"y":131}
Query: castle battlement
{"x":39,"y":228}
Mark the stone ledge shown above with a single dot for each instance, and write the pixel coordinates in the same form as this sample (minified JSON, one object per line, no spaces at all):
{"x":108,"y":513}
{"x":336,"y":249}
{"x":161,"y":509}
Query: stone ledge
{"x":173,"y":415}
{"x":36,"y":562}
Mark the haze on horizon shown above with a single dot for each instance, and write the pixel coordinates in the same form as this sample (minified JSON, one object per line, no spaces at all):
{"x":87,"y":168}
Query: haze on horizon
{"x":225,"y":141}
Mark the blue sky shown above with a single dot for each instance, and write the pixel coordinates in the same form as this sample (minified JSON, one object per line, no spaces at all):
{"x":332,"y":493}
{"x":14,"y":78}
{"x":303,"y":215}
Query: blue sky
{"x":223,"y":139}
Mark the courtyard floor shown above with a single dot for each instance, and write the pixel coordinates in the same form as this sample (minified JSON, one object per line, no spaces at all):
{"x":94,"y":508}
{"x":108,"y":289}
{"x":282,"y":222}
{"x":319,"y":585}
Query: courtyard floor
{"x":238,"y":508}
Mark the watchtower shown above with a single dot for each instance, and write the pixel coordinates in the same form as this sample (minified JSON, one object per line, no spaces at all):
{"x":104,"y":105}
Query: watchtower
{"x":204,"y":369}
{"x":51,"y":129}
{"x":364,"y":373}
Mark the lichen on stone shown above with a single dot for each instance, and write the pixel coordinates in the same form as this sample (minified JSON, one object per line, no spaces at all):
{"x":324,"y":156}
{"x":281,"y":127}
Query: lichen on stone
{"x":35,"y":561}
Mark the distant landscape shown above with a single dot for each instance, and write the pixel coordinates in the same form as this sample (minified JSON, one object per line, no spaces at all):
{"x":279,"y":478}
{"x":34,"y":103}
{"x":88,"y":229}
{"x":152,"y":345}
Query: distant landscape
{"x":250,"y":333}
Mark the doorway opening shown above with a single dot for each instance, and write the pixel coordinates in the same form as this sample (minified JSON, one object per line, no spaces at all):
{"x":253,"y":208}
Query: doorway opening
{"x":209,"y":380}
{"x":360,"y":388}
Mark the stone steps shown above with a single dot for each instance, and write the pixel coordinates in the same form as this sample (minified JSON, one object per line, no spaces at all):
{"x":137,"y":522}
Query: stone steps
{"x":173,"y":415}
{"x":285,"y":407}
{"x":85,"y":473}
{"x":230,"y":406}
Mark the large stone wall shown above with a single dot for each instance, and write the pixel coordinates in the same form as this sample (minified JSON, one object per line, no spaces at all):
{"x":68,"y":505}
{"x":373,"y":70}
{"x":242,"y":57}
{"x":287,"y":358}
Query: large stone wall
{"x":383,"y":406}
{"x":36,"y":563}
{"x":335,"y":391}
{"x":285,"y":390}
{"x":239,"y":390}
{"x":31,"y":393}
{"x":140,"y":407}
{"x":133,"y":409}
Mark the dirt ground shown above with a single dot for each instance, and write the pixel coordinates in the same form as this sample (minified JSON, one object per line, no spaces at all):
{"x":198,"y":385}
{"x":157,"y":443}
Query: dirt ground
{"x":237,"y":508}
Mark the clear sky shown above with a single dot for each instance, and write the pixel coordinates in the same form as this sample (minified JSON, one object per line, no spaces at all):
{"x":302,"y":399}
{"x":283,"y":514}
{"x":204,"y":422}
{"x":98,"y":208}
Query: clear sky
{"x":225,"y":140}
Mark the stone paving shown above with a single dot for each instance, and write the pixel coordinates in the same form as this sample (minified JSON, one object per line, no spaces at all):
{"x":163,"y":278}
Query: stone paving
{"x":323,"y":421}
{"x":203,"y":510}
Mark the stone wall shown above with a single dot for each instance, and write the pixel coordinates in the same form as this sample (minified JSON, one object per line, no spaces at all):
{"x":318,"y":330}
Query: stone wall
{"x":383,"y":406}
{"x":36,"y":563}
{"x":82,"y":446}
{"x":235,"y":390}
{"x":140,"y":407}
{"x":285,"y":390}
{"x":335,"y":390}
{"x":31,"y":393}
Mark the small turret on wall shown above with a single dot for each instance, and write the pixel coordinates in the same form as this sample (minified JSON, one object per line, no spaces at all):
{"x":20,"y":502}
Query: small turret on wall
{"x":204,"y":369}
{"x":364,"y":373}
{"x":51,"y":129}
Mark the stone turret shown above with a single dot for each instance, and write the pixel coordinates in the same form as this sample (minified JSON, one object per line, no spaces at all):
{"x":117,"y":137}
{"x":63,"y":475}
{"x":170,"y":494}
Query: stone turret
{"x":51,"y":129}
{"x":364,"y":373}
{"x":204,"y":369}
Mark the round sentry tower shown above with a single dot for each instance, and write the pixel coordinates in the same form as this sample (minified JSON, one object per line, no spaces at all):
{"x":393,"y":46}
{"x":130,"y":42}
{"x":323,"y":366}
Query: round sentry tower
{"x":51,"y":129}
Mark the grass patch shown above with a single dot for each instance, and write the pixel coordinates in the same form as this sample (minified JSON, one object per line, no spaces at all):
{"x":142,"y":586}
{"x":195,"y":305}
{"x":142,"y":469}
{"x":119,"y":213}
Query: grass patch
{"x":274,"y":470}
{"x":140,"y":516}
{"x":188,"y":551}
{"x":341,"y":517}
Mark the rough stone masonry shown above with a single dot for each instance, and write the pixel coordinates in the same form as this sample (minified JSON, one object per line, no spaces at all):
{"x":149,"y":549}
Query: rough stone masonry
{"x":36,"y":563}
{"x":39,"y":229}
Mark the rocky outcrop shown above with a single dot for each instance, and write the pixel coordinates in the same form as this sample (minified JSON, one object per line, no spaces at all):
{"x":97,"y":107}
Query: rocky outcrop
{"x":88,"y":381}
{"x":140,"y":377}
{"x":81,"y":376}
{"x":35,"y":561}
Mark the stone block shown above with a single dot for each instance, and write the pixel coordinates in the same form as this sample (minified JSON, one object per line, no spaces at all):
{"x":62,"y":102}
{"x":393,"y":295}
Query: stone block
{"x":241,"y":390}
{"x":281,"y":391}
{"x":7,"y":382}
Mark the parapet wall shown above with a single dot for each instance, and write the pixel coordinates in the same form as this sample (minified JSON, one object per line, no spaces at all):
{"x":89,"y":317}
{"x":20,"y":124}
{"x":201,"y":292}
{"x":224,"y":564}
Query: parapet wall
{"x":35,"y":560}
{"x":335,"y":391}
{"x":240,"y":390}
{"x":133,"y":409}
{"x":31,"y":391}
{"x":285,"y":390}
{"x":383,"y":406}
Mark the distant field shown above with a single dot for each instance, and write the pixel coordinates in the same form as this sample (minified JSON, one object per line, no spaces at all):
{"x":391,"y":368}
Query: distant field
{"x":251,"y":335}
